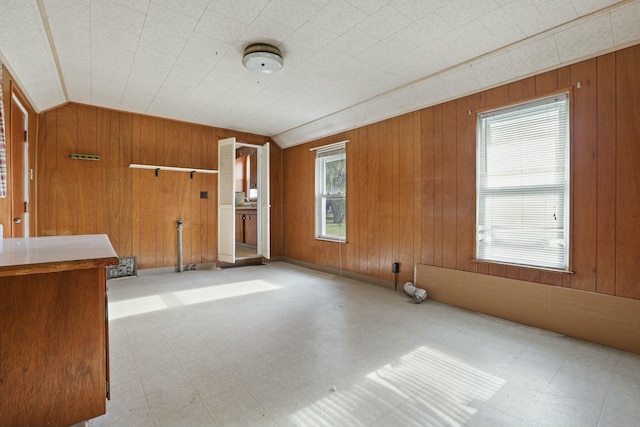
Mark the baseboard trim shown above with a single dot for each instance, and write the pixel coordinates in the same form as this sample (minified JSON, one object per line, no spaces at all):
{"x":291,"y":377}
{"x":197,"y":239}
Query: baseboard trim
{"x":603,"y":319}
{"x":203,"y":266}
{"x":337,"y":272}
{"x":165,"y":270}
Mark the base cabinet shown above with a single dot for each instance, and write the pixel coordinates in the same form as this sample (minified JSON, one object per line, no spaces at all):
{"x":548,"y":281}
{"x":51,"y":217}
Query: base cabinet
{"x":239,"y":228}
{"x":54,"y":338}
{"x":251,"y":229}
{"x":247,"y":227}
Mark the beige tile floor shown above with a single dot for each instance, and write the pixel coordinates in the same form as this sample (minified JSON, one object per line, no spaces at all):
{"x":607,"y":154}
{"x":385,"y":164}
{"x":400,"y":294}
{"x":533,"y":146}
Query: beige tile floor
{"x":280,"y":345}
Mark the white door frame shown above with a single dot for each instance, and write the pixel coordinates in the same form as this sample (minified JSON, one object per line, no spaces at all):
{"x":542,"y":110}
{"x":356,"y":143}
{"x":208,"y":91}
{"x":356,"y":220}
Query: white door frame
{"x":263,"y":206}
{"x":226,"y":200}
{"x":25,"y":177}
{"x":264,"y":202}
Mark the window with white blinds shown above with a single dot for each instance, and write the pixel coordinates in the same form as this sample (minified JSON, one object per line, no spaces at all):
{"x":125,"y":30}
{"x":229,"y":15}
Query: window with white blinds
{"x":331,"y":192}
{"x":523,"y":184}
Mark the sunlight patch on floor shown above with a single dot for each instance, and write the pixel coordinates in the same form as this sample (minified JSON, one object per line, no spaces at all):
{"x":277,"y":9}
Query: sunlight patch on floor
{"x":135,"y":306}
{"x":149,"y":304}
{"x":430,"y":385}
{"x":218,"y":292}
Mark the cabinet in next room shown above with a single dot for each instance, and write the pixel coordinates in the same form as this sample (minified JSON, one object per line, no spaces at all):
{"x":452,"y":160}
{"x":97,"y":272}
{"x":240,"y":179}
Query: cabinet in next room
{"x":247,"y":226}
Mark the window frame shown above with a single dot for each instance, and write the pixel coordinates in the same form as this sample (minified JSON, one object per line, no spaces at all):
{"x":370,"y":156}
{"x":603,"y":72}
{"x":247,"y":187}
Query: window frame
{"x":324,"y":155}
{"x":566,"y":184}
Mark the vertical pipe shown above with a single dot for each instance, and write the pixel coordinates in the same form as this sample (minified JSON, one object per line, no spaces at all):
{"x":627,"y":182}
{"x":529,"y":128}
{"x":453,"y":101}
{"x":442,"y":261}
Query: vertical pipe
{"x":180,"y":265}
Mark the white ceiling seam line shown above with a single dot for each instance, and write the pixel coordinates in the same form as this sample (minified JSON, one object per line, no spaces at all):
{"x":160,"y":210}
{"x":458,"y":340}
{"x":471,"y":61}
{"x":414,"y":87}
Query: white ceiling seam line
{"x":52,"y":46}
{"x":124,"y":92}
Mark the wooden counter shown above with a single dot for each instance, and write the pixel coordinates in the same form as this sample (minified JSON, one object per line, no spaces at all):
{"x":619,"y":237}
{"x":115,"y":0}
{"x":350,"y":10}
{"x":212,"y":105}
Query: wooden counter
{"x":53,"y":329}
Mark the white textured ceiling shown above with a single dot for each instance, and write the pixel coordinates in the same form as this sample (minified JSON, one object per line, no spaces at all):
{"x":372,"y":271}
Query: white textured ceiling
{"x":347,"y":62}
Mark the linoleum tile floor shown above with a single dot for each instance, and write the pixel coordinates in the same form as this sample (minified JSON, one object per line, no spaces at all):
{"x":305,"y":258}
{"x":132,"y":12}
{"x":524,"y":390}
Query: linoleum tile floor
{"x":282,"y":345}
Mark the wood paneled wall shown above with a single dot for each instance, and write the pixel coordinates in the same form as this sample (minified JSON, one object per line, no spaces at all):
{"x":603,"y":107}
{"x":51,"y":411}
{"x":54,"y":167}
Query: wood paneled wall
{"x":411,"y":184}
{"x":136,"y":209}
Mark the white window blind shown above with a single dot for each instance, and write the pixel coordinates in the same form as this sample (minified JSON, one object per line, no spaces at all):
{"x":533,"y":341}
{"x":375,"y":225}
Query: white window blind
{"x":523,"y":184}
{"x":331,"y":192}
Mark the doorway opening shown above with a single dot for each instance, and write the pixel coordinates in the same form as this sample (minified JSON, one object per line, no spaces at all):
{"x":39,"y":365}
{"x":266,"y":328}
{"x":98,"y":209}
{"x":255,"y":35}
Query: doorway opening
{"x":19,"y":176}
{"x":246,"y":199}
{"x":243,"y":202}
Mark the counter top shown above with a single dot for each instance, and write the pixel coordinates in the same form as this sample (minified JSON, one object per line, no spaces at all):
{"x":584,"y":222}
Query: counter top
{"x":56,"y":253}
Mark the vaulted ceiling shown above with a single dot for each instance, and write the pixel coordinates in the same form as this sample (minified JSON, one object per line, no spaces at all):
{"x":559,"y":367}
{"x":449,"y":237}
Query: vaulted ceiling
{"x":346,"y":62}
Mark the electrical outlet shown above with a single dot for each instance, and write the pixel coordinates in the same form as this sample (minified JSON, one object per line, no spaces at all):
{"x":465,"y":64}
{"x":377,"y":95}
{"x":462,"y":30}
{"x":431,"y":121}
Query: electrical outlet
{"x":395,"y":267}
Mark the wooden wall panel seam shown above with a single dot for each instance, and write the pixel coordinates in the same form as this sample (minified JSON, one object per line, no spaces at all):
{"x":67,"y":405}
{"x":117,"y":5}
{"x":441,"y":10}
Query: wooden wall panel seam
{"x":584,"y":156}
{"x":417,"y":191}
{"x":605,"y":191}
{"x":628,"y":173}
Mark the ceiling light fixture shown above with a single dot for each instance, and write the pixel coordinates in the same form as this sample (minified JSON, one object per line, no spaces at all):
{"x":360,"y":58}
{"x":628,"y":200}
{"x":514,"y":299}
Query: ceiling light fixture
{"x":262,"y":58}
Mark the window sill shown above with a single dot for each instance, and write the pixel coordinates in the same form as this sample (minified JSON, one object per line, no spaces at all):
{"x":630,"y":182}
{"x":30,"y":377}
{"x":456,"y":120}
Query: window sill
{"x":530,"y":267}
{"x":328,"y":239}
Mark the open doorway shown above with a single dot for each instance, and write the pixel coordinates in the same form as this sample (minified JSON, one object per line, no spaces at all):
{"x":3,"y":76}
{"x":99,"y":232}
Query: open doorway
{"x":246,"y":201}
{"x":19,"y":176}
{"x":243,"y":201}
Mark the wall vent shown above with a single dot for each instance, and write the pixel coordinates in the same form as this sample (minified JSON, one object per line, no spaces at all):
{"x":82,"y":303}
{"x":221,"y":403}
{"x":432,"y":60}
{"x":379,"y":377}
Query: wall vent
{"x":127,"y":267}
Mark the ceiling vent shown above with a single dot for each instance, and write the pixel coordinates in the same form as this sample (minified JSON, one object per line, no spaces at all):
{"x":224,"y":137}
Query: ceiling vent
{"x":262,"y":58}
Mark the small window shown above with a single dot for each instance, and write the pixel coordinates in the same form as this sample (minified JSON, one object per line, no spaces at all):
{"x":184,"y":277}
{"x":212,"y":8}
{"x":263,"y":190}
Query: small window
{"x":523,"y":184}
{"x":331,"y":193}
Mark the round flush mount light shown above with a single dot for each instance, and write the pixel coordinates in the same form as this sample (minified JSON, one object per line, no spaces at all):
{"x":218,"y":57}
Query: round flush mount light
{"x":262,"y":58}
